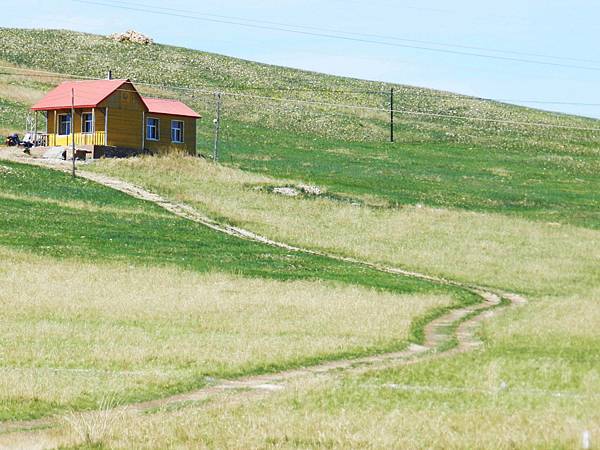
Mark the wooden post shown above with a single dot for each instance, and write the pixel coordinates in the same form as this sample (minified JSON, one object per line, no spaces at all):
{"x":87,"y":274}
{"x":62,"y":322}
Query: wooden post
{"x":35,"y":133}
{"x":106,"y":126}
{"x":73,"y":127}
{"x":143,"y":131}
{"x":44,"y":139}
{"x":93,"y":128}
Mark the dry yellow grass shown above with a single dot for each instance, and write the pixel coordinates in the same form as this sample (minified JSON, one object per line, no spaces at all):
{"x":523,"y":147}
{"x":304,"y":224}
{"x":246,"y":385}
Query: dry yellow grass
{"x":461,"y":410}
{"x":19,"y":88}
{"x":490,"y":249}
{"x":307,"y":416}
{"x":566,"y":318}
{"x":73,"y":332}
{"x":13,"y":90}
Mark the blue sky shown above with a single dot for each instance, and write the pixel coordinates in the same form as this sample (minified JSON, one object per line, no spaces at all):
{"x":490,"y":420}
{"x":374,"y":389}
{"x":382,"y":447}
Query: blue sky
{"x":561,"y":28}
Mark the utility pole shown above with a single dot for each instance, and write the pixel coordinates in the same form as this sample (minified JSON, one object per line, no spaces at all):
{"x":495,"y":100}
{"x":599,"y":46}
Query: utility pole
{"x":217,"y":122}
{"x":392,"y":115}
{"x":73,"y":127}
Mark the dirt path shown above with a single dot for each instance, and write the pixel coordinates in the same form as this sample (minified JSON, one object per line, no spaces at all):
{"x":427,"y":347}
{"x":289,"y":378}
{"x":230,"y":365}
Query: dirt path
{"x":456,"y":327}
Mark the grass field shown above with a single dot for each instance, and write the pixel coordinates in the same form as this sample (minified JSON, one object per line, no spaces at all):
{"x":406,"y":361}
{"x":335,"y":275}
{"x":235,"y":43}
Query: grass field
{"x":75,"y":333}
{"x":511,"y":206}
{"x":129,"y":301}
{"x":520,"y":392}
{"x":545,"y":184}
{"x":492,"y":249}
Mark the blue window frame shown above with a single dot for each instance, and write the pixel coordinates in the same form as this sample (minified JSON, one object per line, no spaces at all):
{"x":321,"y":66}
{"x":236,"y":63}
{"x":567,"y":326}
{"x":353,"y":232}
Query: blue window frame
{"x":152,"y":129}
{"x":64,"y":124}
{"x":177,"y":131}
{"x":87,"y":123}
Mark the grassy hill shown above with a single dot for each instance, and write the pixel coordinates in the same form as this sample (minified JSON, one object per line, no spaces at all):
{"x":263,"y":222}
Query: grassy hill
{"x":532,"y":171}
{"x":91,"y":56}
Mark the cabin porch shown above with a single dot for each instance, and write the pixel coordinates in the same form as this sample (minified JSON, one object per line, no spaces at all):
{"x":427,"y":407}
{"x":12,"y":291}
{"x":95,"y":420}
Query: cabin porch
{"x":89,"y":127}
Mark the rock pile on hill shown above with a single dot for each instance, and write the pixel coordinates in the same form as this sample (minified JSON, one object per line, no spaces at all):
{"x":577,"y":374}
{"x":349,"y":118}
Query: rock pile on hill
{"x":287,"y":191}
{"x":132,"y":36}
{"x":300,"y":189}
{"x":310,"y":190}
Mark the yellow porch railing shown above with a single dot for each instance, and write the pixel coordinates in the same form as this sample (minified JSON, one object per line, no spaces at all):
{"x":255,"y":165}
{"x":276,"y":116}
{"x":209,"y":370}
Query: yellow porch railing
{"x":96,"y":138}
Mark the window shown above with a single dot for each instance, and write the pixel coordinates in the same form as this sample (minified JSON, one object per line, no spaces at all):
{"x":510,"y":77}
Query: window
{"x":64,"y":124}
{"x":86,"y":123}
{"x":152,"y":125}
{"x":177,"y":131}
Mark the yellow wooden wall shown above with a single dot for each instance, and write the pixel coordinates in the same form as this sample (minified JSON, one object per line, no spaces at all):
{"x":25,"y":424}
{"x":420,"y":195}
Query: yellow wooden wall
{"x":125,"y":117}
{"x":164,"y":144}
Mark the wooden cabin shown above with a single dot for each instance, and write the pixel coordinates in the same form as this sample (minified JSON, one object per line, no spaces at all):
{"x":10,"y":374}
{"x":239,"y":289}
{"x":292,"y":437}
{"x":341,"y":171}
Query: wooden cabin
{"x":112,"y":119}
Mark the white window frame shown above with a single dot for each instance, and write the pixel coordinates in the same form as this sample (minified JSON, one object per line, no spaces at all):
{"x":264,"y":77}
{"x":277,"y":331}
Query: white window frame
{"x":70,"y":122}
{"x":157,"y":126}
{"x":83,"y":122}
{"x":182,"y":141}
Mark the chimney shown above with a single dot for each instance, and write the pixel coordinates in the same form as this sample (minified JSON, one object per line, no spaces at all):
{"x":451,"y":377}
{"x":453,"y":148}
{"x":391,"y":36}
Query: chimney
{"x":109,"y":75}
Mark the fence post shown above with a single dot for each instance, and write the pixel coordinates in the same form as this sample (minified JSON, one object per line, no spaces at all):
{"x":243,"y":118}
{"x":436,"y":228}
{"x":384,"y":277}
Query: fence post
{"x":73,"y":127}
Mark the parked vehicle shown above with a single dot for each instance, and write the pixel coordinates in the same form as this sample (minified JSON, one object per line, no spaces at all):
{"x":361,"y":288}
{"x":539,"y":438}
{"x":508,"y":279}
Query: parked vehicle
{"x":13,"y":140}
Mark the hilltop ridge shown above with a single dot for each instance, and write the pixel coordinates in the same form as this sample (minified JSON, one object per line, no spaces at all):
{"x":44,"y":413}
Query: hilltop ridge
{"x":264,"y":95}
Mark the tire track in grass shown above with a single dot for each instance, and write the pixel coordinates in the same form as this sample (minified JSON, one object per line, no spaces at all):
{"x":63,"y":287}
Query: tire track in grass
{"x":452,"y":333}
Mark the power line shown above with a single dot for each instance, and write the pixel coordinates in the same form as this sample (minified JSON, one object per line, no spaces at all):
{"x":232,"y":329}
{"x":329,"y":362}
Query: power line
{"x":339,"y":37}
{"x":497,"y":121}
{"x":49,"y":73}
{"x":419,"y":113}
{"x":385,"y":92}
{"x":387,"y":110}
{"x":548,"y":102}
{"x":375,"y":109}
{"x":242,"y":88}
{"x":369,"y":108}
{"x":353,"y":33}
{"x":32,"y":75}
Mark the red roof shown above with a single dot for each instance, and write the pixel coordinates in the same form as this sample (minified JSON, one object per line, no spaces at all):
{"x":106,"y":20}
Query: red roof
{"x":88,"y":94}
{"x":172,"y":107}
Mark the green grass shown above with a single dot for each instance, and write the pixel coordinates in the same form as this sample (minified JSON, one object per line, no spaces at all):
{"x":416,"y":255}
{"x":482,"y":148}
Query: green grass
{"x":148,"y":234}
{"x":498,"y":250}
{"x":12,"y":116}
{"x":49,"y":213}
{"x":551,"y":186}
{"x":530,"y":171}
